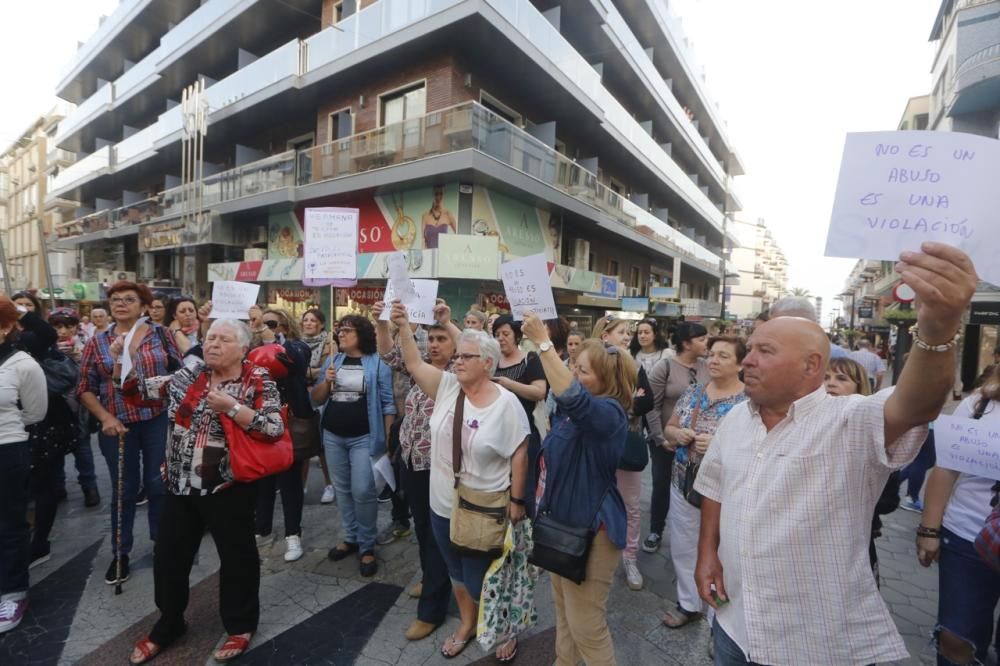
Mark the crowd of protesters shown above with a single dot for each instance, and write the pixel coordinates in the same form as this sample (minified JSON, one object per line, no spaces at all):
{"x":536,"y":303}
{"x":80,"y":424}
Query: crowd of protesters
{"x":771,"y":456}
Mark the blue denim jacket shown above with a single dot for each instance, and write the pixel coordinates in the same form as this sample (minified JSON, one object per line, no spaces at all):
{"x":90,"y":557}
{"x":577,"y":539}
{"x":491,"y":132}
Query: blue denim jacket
{"x":581,"y":454}
{"x":378,"y":379}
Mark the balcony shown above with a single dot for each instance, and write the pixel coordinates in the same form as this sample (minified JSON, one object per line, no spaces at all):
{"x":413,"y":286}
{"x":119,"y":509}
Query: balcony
{"x":98,"y":103}
{"x":58,"y":157}
{"x":696,"y":307}
{"x":136,"y":78}
{"x":276,"y":66}
{"x":196,"y":27}
{"x":91,"y":166}
{"x":267,"y":175}
{"x":124,"y":217}
{"x":134,"y":148}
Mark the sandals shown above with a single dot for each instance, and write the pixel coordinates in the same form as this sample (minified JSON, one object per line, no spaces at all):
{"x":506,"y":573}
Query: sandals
{"x":677,"y":618}
{"x":343,"y":550}
{"x":236,"y":644}
{"x":455,"y":643}
{"x":513,"y":655}
{"x":147,"y":650}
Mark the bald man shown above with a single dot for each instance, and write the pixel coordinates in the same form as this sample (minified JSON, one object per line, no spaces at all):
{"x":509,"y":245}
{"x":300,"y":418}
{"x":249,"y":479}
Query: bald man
{"x":792,"y":475}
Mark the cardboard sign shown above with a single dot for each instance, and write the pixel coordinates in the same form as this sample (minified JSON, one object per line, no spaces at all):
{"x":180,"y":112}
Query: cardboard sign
{"x":421,"y":310}
{"x":967,"y":445}
{"x":331,"y":244}
{"x":233,"y":300}
{"x":526,"y":283}
{"x":899,"y":189}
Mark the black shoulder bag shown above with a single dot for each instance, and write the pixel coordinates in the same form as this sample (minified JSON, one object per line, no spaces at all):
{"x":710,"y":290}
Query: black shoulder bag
{"x":561,"y":548}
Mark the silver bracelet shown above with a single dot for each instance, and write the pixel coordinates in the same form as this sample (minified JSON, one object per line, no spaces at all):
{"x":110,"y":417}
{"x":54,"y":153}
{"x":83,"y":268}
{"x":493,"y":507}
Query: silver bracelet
{"x":915,"y":332}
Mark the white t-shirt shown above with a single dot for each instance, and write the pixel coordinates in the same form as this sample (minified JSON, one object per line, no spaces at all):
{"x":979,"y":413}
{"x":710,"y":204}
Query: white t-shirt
{"x":969,"y":505}
{"x":490,"y":435}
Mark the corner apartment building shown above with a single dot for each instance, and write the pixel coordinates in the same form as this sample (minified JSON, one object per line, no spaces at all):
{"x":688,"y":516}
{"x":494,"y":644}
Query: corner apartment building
{"x":761,"y":266}
{"x":464,"y":131}
{"x":24,"y":167}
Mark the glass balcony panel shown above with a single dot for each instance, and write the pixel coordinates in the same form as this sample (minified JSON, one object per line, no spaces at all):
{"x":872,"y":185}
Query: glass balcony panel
{"x":143,"y":71}
{"x":110,"y":25}
{"x":135,"y":145}
{"x":275,"y":66}
{"x":88,"y":166}
{"x":195,"y":28}
{"x":96,"y":103}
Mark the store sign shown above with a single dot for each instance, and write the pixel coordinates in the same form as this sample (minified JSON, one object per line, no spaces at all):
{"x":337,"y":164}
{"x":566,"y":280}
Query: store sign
{"x":468,"y":257}
{"x":366,"y":295}
{"x":87,"y":291}
{"x":986,"y":312}
{"x":662,"y":294}
{"x":635,"y":304}
{"x":609,"y":287}
{"x":865,"y":312}
{"x":164,"y":236}
{"x":296,"y":295}
{"x":495,"y":300}
{"x":248,"y":271}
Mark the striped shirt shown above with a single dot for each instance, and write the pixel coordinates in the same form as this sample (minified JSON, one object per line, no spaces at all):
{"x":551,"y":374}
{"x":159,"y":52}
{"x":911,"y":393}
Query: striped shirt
{"x":796,"y":519}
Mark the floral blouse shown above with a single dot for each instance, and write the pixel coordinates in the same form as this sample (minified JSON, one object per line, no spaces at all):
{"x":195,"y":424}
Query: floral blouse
{"x":709,"y":417}
{"x":197,"y":458}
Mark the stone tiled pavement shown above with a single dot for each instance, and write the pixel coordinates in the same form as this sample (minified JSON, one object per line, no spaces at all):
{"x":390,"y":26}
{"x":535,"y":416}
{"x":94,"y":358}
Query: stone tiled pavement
{"x":293,"y":593}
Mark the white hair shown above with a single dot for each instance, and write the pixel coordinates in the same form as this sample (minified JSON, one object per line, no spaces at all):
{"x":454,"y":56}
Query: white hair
{"x":489,"y":349}
{"x":241,"y":330}
{"x":793,"y":306}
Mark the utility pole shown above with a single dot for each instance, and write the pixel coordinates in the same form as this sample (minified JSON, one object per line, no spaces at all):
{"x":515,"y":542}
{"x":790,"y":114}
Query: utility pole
{"x":6,"y":270}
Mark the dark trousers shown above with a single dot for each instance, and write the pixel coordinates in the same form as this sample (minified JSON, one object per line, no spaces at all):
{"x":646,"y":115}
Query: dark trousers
{"x":967,"y":601}
{"x":228,"y":516}
{"x":148,"y":440}
{"x":916,"y":471}
{"x":531,"y":482}
{"x":15,"y":475}
{"x":662,"y":465}
{"x":436,"y":595}
{"x":289,"y":484}
{"x":45,"y":487}
{"x":400,"y":503}
{"x":83,"y":458}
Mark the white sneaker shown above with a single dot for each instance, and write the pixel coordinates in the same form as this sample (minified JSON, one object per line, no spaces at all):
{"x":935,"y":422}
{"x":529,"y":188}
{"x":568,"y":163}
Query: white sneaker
{"x":632,"y":575}
{"x":328,"y":496}
{"x":293,"y":548}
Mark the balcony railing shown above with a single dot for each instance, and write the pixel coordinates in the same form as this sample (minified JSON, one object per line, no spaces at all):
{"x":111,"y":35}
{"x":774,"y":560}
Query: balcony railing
{"x":116,"y":218}
{"x":134,"y":146}
{"x":143,"y":71}
{"x":59,"y":157}
{"x":266,"y":175}
{"x":279,"y":64}
{"x":97,"y":103}
{"x":96,"y":162}
{"x":195,"y":28}
{"x":108,"y":26}
{"x":700,"y":308}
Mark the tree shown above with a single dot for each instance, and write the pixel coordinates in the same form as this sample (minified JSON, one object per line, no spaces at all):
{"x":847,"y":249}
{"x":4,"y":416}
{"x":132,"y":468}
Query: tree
{"x":799,"y":291}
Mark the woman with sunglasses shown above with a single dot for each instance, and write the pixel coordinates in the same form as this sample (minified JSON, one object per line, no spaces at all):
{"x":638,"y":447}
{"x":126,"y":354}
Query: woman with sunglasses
{"x":279,"y":328}
{"x":321,"y":346}
{"x":183,"y":317}
{"x":152,"y":352}
{"x":669,"y":378}
{"x":359,"y":413}
{"x":614,"y":331}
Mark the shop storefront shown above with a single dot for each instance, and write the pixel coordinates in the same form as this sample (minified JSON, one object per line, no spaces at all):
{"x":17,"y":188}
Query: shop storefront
{"x":981,"y":338}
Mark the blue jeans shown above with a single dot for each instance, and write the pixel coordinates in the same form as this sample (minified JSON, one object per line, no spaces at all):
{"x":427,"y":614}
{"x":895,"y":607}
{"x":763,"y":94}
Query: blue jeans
{"x":15,"y":492}
{"x":916,"y":471}
{"x":350,"y":464}
{"x":83,"y":459}
{"x":968,"y":590}
{"x":147,"y":439}
{"x":465,"y":571}
{"x":727,"y":652}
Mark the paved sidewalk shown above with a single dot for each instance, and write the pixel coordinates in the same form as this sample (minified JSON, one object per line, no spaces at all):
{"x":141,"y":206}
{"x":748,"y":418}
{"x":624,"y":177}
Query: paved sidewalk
{"x":318,"y":612}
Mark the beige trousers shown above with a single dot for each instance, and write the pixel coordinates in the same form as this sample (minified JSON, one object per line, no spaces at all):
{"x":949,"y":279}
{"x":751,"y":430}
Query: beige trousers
{"x":581,"y":610}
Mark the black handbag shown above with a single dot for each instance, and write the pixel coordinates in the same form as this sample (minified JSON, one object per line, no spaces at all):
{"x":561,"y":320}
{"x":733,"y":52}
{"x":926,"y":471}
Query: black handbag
{"x":561,"y":548}
{"x":692,"y":496}
{"x":636,"y":455}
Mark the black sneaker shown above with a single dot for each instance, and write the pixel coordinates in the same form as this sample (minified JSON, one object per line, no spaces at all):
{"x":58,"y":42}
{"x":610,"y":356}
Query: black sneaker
{"x":111,"y":577}
{"x":141,"y":498}
{"x":652,"y":543}
{"x":386,"y":495}
{"x":91,"y":497}
{"x":40,"y":555}
{"x":61,"y":494}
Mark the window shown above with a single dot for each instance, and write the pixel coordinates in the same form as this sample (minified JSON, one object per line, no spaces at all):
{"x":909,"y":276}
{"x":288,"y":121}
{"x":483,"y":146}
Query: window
{"x":612,"y":268}
{"x":404,"y":104}
{"x":501,"y":109}
{"x":341,"y":124}
{"x":633,"y":277}
{"x":591,"y":262}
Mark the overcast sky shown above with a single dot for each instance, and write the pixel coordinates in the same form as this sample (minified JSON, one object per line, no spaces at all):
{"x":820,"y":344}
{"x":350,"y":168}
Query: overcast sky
{"x":791,"y":77}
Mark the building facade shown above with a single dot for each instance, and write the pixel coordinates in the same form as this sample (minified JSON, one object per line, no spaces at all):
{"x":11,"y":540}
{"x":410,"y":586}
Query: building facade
{"x":761,"y":266}
{"x":465,"y":132}
{"x":26,"y":213}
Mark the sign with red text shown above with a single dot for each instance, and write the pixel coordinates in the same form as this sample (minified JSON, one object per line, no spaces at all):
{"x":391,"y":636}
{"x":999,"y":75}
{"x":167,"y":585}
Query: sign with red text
{"x":899,"y":189}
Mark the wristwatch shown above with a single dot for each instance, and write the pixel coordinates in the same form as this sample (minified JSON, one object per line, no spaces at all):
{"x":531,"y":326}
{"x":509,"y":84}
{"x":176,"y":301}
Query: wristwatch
{"x":234,"y":410}
{"x":545,"y":346}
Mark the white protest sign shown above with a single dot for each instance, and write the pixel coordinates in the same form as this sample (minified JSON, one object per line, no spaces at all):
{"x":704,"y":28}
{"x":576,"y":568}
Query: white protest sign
{"x":967,"y":445}
{"x":421,"y":310}
{"x":126,"y":354}
{"x":899,"y":189}
{"x":526,"y":282}
{"x":330,"y":246}
{"x":232,"y":300}
{"x":382,"y":470}
{"x":402,"y":286}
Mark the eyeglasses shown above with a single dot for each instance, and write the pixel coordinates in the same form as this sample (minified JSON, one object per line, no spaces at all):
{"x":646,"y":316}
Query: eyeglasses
{"x":466,"y":357}
{"x":271,"y":324}
{"x":127,"y":300}
{"x":346,"y":329}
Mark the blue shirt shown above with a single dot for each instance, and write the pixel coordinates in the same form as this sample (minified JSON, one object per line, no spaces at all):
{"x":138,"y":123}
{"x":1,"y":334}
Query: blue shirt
{"x":581,"y":454}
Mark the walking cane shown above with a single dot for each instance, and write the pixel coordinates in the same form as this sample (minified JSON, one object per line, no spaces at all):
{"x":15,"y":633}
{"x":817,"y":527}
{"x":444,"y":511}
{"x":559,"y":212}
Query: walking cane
{"x":120,"y":490}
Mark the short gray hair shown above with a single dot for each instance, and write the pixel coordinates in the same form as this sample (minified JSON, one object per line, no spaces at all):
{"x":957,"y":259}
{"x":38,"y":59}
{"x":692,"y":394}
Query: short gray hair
{"x":489,"y":349}
{"x":793,"y":306}
{"x":241,"y":329}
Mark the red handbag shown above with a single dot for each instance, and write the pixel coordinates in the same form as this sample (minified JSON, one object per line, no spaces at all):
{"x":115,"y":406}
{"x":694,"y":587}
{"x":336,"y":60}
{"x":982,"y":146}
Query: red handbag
{"x":252,"y":455}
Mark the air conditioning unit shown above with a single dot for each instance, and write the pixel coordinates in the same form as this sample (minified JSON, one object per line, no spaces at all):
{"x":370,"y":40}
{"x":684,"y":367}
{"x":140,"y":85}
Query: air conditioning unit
{"x":581,"y":254}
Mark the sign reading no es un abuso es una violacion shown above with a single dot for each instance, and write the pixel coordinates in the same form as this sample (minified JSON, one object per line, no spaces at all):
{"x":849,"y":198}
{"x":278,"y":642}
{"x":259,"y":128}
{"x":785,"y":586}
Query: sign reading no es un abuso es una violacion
{"x":899,"y":189}
{"x":967,"y":445}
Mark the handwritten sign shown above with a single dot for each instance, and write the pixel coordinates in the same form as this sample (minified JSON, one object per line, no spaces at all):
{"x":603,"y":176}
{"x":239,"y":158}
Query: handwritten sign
{"x":967,"y":445}
{"x":526,"y":282}
{"x":232,"y":300}
{"x":331,"y":244}
{"x":402,"y":286}
{"x":421,"y":310}
{"x":898,"y":189}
